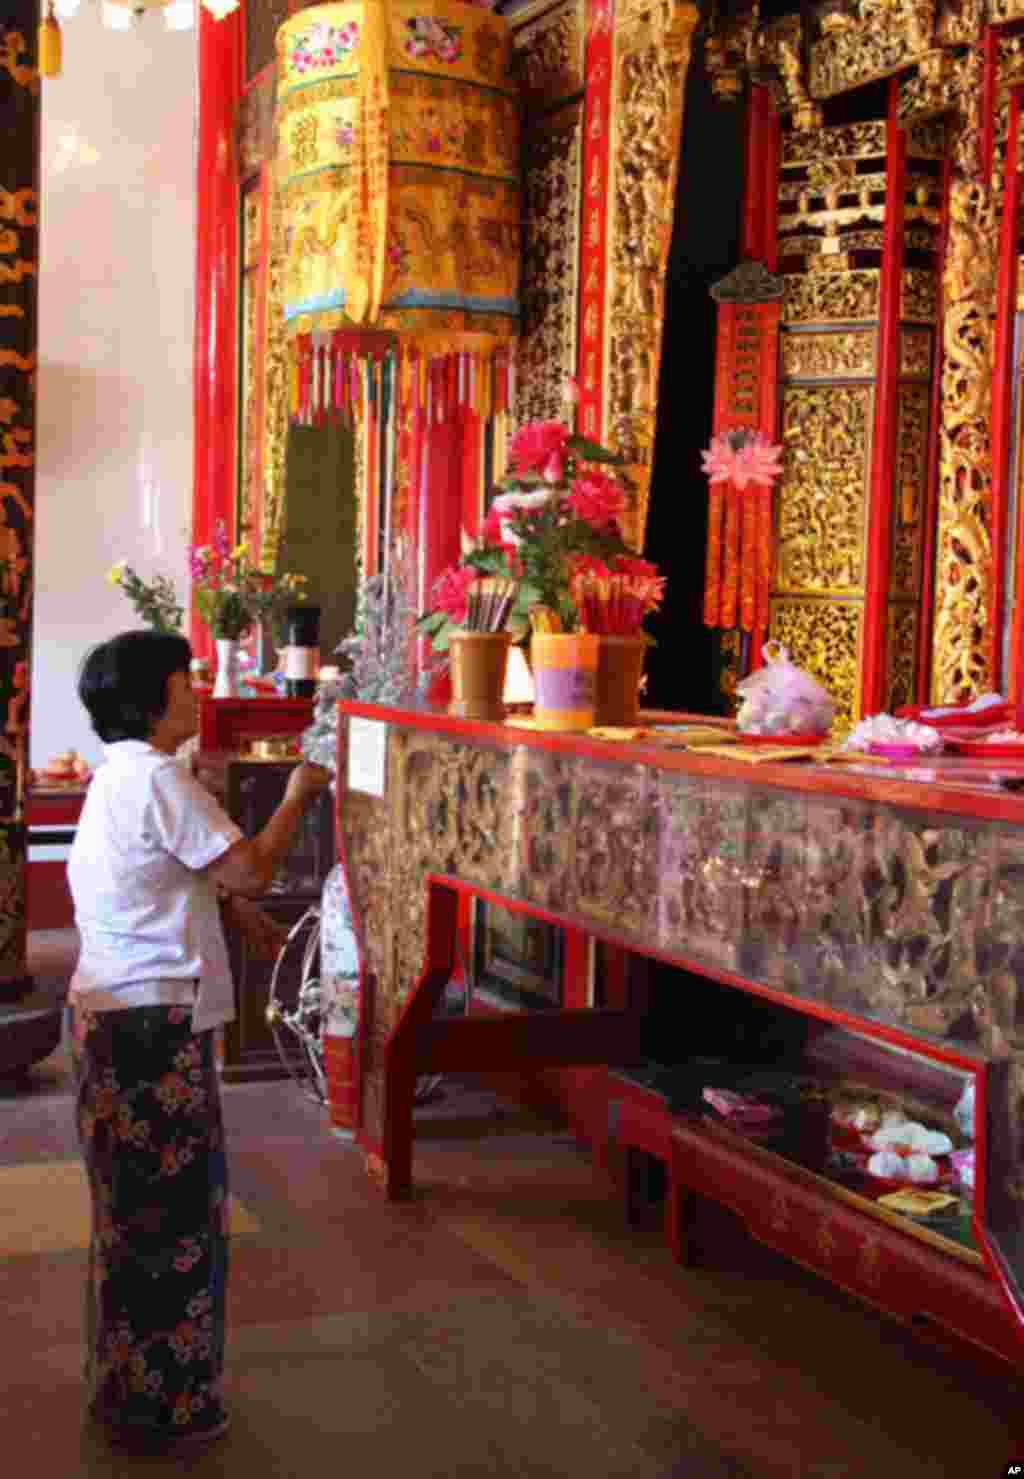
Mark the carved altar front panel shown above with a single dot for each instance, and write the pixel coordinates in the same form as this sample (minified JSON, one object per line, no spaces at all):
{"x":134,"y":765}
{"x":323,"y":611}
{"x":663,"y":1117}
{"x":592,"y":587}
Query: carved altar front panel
{"x":907,"y":918}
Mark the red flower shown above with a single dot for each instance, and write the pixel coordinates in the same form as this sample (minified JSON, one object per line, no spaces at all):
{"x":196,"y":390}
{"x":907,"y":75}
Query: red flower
{"x":597,"y":499}
{"x":451,"y":591}
{"x":539,"y":446}
{"x":630,"y":565}
{"x":589,"y":568}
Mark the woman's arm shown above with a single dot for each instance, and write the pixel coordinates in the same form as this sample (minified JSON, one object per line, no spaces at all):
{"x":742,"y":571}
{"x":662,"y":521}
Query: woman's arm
{"x":248,"y":866}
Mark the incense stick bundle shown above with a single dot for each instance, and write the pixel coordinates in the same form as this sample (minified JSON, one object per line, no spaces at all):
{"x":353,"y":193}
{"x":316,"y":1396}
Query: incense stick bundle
{"x":488,"y":603}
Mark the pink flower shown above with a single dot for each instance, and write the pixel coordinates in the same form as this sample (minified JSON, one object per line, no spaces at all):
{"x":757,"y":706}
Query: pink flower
{"x":534,"y":445}
{"x":597,"y":499}
{"x":742,"y":457}
{"x":451,"y":591}
{"x":554,"y":469}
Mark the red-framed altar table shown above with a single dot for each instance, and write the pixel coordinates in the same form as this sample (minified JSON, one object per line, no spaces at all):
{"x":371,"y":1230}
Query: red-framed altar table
{"x":885,"y":900}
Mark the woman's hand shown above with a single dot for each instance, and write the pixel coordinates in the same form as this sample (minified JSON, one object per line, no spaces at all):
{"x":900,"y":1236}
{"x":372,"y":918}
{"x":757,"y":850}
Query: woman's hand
{"x":307,"y":781}
{"x":264,"y":937}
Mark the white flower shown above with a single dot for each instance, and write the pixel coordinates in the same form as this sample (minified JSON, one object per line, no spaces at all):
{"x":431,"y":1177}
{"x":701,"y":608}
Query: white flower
{"x":509,"y":503}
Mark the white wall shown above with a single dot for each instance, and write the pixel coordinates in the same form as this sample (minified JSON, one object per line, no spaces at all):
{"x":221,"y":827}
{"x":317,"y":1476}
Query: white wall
{"x":115,"y":346}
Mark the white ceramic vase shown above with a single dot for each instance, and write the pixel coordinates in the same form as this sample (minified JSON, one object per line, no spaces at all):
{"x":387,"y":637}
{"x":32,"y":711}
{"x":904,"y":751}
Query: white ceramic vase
{"x":226,"y":682}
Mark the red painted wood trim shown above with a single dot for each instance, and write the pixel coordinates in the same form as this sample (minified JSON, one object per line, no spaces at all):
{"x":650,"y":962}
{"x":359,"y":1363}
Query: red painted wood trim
{"x":576,"y":969}
{"x":513,"y":1040}
{"x":1002,"y":386}
{"x":759,"y":176}
{"x":215,"y":352}
{"x":883,"y":448}
{"x":931,"y":492}
{"x":773,"y":152}
{"x":949,"y":797}
{"x":255,"y":536}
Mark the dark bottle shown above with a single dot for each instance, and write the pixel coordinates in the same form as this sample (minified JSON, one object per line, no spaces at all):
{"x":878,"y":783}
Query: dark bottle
{"x":302,"y":656}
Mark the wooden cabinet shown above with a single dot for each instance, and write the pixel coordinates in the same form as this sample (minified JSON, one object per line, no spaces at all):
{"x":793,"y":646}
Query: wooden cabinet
{"x":249,"y":791}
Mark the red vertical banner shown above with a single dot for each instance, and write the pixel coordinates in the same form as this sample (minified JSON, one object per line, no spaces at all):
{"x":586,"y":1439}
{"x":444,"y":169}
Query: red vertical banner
{"x":215,"y":350}
{"x":739,"y":550}
{"x":739,"y":562}
{"x":594,"y":225}
{"x":874,"y":696}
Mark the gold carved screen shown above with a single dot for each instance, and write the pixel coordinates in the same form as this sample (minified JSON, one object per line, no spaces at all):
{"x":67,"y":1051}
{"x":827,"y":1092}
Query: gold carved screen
{"x":833,"y":196}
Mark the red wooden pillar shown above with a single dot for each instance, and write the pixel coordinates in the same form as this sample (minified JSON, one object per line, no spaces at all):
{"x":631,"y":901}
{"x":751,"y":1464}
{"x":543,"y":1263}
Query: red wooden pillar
{"x":1002,"y":406}
{"x":883,"y":449}
{"x":931,"y":496}
{"x":759,"y":241}
{"x":215,"y":351}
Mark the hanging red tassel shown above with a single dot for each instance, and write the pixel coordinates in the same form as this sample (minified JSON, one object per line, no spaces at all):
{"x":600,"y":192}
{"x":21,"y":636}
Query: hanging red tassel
{"x":731,"y":556}
{"x":713,"y":569}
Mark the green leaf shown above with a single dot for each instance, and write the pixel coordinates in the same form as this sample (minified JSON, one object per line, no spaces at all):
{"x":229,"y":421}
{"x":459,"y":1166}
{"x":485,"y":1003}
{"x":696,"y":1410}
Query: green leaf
{"x":589,"y":451}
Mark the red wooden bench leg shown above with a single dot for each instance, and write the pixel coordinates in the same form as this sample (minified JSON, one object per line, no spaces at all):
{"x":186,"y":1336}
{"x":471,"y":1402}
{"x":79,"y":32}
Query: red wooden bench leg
{"x":680,"y":1208}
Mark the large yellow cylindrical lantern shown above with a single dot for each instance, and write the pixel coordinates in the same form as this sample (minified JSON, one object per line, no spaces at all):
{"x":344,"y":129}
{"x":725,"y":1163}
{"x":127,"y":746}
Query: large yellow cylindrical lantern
{"x":398,"y":140}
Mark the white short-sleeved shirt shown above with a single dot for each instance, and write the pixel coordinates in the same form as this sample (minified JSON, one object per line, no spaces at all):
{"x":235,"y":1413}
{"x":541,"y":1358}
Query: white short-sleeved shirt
{"x":147,"y":915}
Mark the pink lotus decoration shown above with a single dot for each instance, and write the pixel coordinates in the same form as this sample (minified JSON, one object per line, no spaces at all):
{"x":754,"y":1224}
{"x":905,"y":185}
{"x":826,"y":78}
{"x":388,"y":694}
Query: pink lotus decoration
{"x":742,"y":457}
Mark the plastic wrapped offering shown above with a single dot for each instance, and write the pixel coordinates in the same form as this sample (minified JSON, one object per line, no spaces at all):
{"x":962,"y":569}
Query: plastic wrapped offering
{"x":782,"y":699}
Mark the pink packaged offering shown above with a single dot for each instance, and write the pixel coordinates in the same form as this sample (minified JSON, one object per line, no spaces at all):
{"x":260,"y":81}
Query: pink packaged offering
{"x":739,"y":1107}
{"x":963,"y":1168}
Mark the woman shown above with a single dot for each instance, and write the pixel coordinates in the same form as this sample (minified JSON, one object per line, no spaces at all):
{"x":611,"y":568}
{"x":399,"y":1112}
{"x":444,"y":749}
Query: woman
{"x":151,"y":853}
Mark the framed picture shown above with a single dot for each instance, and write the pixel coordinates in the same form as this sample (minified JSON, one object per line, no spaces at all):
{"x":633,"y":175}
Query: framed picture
{"x":517,"y":961}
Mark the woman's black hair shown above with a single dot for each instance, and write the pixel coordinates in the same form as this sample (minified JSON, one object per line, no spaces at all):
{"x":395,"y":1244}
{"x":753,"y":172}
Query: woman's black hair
{"x":123,"y":682}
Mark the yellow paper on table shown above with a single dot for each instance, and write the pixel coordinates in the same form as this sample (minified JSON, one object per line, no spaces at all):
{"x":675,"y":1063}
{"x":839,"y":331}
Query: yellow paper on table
{"x":916,"y":1201}
{"x":762,"y":754}
{"x":613,"y":732}
{"x":695,"y":736}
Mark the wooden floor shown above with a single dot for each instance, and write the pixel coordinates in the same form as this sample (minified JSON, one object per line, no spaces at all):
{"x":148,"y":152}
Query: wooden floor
{"x":505,"y":1322}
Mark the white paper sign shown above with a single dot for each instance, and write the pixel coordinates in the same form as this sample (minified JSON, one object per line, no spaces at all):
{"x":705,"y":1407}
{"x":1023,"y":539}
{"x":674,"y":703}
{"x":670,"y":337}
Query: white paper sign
{"x":367,"y":755}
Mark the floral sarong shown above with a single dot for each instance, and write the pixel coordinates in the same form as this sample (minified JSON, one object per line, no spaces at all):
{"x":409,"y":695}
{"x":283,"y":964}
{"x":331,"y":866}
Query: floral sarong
{"x":149,"y":1123}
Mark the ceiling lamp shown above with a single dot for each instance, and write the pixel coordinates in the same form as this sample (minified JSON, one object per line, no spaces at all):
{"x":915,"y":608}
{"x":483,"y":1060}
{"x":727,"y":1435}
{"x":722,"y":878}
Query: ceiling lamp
{"x":119,"y":15}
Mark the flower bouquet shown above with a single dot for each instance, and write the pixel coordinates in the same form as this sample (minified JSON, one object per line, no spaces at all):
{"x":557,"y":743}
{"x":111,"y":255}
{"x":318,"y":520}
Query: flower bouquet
{"x":551,"y":512}
{"x":156,"y":600}
{"x":231,"y":593}
{"x":551,"y":558}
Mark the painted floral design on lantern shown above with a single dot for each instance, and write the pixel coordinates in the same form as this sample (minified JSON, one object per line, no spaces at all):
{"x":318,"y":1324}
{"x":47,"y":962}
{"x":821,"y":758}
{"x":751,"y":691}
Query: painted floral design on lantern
{"x":344,"y":132}
{"x":322,"y":46}
{"x":429,"y":38}
{"x":399,"y":255}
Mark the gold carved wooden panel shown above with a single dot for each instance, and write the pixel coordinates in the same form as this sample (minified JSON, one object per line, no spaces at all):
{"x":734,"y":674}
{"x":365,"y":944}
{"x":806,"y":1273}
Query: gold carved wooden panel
{"x":829,"y":355}
{"x":915,"y":349}
{"x":547,"y":52}
{"x":831,"y":297}
{"x":826,"y":434}
{"x":901,"y":643}
{"x":551,"y":259}
{"x":913,"y":418}
{"x":876,"y":40}
{"x":824,"y":636}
